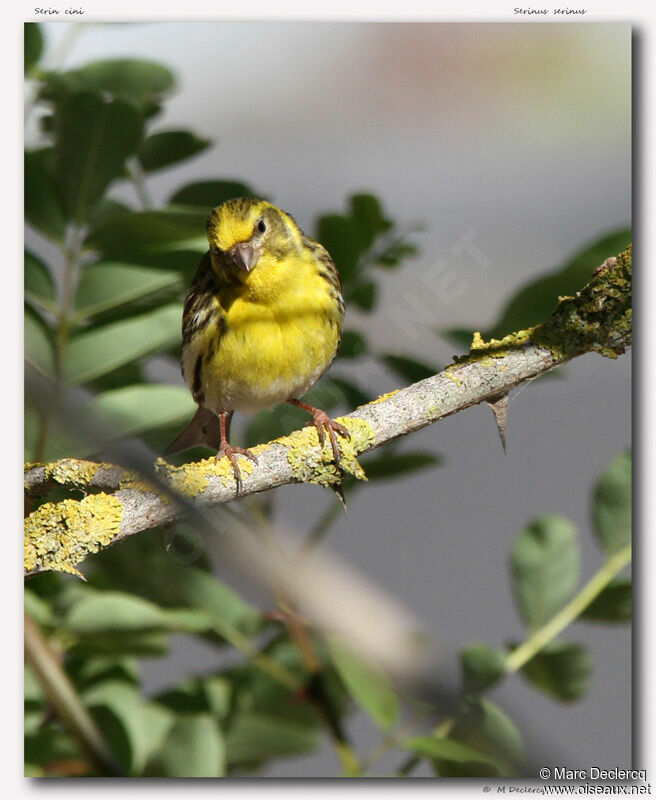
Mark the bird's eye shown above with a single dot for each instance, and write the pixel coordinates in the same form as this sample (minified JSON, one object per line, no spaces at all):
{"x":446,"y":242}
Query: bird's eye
{"x":261,"y":226}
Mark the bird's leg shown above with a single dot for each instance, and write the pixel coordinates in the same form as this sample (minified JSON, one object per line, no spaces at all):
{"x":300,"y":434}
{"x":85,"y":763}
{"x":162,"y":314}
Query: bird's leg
{"x":229,"y":450}
{"x":322,"y":422}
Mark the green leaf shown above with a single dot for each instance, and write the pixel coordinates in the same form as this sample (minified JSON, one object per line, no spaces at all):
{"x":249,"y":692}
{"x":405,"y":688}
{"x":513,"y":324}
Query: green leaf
{"x":129,"y":236}
{"x":198,"y":589}
{"x":157,"y":721}
{"x":352,"y":345}
{"x":141,"y":82}
{"x":48,"y":744}
{"x":32,"y":692}
{"x":142,"y":407}
{"x":161,"y":150}
{"x":535,"y":301}
{"x":38,"y":348}
{"x":209,"y":194}
{"x":545,"y":567}
{"x":142,"y":645}
{"x":482,"y":667}
{"x":106,"y":285}
{"x":391,"y":465}
{"x":364,"y":296}
{"x":88,"y":671}
{"x":39,"y":285}
{"x":114,"y":613}
{"x":611,"y":509}
{"x":408,"y":369}
{"x":93,"y":139}
{"x":613,"y":604}
{"x":255,"y":737}
{"x":33,"y":44}
{"x":193,"y":748}
{"x":127,"y":411}
{"x":104,"y":349}
{"x":130,"y":727}
{"x":43,"y":208}
{"x":367,"y":684}
{"x":368,"y":216}
{"x":210,"y":695}
{"x":395,"y":253}
{"x":560,"y":669}
{"x":38,"y":609}
{"x":257,"y":691}
{"x":106,"y":623}
{"x":486,"y":728}
{"x":339,"y":235}
{"x":442,"y":749}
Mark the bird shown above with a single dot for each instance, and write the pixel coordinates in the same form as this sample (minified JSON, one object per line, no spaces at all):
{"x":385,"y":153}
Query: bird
{"x":262,"y":322}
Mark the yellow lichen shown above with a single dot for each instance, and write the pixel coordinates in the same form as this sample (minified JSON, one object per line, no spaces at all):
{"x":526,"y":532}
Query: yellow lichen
{"x":60,"y":535}
{"x":383,"y":397}
{"x":311,"y":466}
{"x":71,"y":472}
{"x":496,"y":348}
{"x":450,"y":371}
{"x":193,"y":479}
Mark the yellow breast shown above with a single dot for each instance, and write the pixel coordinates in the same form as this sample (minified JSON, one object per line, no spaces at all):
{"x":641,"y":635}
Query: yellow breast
{"x":276,"y":341}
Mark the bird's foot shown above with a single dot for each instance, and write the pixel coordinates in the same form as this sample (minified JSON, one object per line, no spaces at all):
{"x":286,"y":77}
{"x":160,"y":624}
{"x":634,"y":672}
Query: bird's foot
{"x":231,"y":451}
{"x":322,"y":422}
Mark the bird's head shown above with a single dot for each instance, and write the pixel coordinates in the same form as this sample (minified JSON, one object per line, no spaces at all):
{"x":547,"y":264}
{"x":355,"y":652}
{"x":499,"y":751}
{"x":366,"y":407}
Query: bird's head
{"x":245,"y":232}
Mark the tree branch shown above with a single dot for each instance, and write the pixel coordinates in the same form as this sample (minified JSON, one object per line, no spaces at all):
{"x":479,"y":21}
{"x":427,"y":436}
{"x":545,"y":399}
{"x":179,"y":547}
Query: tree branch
{"x":60,"y":535}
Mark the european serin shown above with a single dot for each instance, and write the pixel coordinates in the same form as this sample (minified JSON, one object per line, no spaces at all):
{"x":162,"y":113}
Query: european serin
{"x":262,"y":322}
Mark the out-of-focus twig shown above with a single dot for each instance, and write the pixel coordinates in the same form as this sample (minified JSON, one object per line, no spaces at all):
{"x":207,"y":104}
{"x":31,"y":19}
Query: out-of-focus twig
{"x":62,"y":694}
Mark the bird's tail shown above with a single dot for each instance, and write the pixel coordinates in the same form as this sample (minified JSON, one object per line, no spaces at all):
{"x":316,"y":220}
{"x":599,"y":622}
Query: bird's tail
{"x":202,"y":430}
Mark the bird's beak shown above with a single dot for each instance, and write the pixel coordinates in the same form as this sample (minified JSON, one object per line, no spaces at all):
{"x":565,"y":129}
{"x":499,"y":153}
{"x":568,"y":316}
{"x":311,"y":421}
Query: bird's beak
{"x":245,"y":256}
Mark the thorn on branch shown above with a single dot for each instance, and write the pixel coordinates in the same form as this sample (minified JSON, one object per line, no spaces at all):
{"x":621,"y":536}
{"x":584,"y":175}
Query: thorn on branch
{"x":499,"y":406}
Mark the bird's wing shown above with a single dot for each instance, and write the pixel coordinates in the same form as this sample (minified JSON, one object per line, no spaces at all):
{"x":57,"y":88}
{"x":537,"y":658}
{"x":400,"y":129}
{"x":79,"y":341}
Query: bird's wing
{"x":327,"y":269}
{"x":201,"y":308}
{"x":199,"y":301}
{"x":325,"y":261}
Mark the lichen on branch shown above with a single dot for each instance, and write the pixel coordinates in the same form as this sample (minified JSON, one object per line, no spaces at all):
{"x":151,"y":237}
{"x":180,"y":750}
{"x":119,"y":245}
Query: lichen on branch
{"x":120,"y":503}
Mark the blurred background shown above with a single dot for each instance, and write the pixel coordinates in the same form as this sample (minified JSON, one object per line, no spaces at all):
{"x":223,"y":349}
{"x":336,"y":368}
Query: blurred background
{"x":500,"y":151}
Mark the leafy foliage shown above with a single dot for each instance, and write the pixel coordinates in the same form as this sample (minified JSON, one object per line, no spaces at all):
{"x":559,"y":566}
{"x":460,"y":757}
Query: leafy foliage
{"x":167,"y":148}
{"x":43,"y":207}
{"x":482,"y":667}
{"x":613,"y":604}
{"x":93,"y":138}
{"x":561,"y":669}
{"x":545,"y":568}
{"x":611,"y":511}
{"x":367,"y":685}
{"x":33,"y":45}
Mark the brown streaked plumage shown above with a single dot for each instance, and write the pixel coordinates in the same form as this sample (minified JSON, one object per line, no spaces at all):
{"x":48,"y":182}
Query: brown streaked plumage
{"x":262,"y":322}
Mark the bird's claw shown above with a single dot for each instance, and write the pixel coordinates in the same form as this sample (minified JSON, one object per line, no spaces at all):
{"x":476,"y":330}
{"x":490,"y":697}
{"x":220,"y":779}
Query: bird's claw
{"x":322,"y":422}
{"x":231,"y":451}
